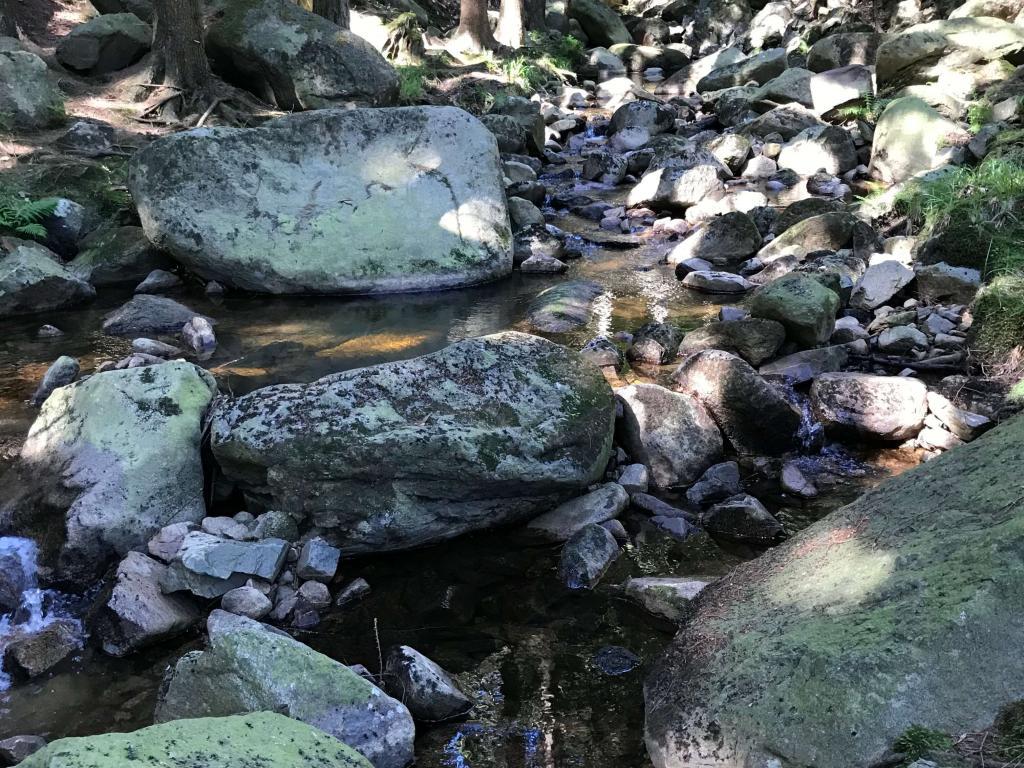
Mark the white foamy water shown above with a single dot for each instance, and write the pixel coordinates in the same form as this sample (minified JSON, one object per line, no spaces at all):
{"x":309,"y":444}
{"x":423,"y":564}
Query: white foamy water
{"x":18,"y":560}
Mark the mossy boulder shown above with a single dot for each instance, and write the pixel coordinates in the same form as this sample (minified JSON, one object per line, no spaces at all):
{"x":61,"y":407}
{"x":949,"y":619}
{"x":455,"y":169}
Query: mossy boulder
{"x":265,"y":739}
{"x":805,"y":308}
{"x":29,"y":96}
{"x":109,"y":461}
{"x":249,"y":667}
{"x":911,"y":138}
{"x":296,"y":59}
{"x":903,"y":608}
{"x":485,"y":432}
{"x":335,"y":201}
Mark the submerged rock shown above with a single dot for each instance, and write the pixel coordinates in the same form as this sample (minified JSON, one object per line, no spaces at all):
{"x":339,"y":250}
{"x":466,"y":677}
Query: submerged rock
{"x":487,"y":431}
{"x":426,"y":689}
{"x":587,"y":556}
{"x":37,"y":652}
{"x":149,"y":314}
{"x":109,"y":461}
{"x":902,"y":608}
{"x":742,"y":518}
{"x":266,"y":739}
{"x":249,"y":667}
{"x":327,"y":224}
{"x":564,"y":307}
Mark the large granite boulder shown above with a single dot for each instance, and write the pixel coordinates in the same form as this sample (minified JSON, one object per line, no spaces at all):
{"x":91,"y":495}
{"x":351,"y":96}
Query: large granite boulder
{"x":759,"y":68}
{"x":486,"y":431}
{"x":29,"y":96}
{"x":866,"y":406}
{"x":904,"y":608}
{"x":249,"y":667}
{"x":912,"y":55}
{"x":671,"y":433}
{"x":297,"y":59}
{"x":33,"y":280}
{"x":911,"y":138}
{"x":336,"y":201}
{"x":265,"y":739}
{"x":110,"y":460}
{"x":601,"y":23}
{"x":105,"y":43}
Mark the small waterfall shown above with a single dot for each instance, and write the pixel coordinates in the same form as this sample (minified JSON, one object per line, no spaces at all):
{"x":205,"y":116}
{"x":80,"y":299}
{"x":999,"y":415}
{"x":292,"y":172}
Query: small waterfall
{"x":28,"y":608}
{"x":810,"y":432}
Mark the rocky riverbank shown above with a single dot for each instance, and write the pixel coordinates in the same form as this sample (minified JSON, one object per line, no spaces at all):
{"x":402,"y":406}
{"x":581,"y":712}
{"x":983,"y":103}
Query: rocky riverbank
{"x":703,"y":294}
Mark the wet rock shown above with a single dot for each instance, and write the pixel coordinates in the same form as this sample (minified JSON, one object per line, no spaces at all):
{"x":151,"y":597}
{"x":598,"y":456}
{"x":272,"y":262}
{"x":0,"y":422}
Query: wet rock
{"x":605,"y":167}
{"x":248,"y":666}
{"x":670,"y":433}
{"x":17,"y":748}
{"x":105,"y":43}
{"x":911,"y":138}
{"x":156,"y":348}
{"x":753,"y":339}
{"x":137,"y":613}
{"x":742,"y":518}
{"x":451,"y":467}
{"x":63,"y":371}
{"x":209,"y":566}
{"x":602,"y":352}
{"x":943,"y":523}
{"x":615,"y":660}
{"x":148,"y":314}
{"x":427,"y":690}
{"x":795,"y":482}
{"x":717,"y":483}
{"x":879,"y":407}
{"x":117,"y":455}
{"x":36,"y":653}
{"x":246,"y":601}
{"x":880,"y":282}
{"x":723,"y":283}
{"x":801,"y":367}
{"x":265,"y":738}
{"x":318,"y":560}
{"x":587,"y":556}
{"x":564,"y":307}
{"x":352,"y":593}
{"x":827,"y":148}
{"x":159,"y":281}
{"x":30,"y":98}
{"x":561,"y":523}
{"x":33,"y":280}
{"x":455,"y":230}
{"x":725,"y":241}
{"x":664,"y":597}
{"x":805,"y":307}
{"x":754,"y":416}
{"x":654,"y":344}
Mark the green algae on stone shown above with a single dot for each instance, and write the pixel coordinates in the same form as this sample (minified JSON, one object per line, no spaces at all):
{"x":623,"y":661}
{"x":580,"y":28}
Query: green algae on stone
{"x":262,"y":739}
{"x":485,"y":432}
{"x":903,"y":608}
{"x":249,"y":667}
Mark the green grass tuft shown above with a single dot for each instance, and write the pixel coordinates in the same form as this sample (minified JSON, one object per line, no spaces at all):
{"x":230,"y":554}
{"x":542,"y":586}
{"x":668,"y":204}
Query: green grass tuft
{"x":917,"y":741}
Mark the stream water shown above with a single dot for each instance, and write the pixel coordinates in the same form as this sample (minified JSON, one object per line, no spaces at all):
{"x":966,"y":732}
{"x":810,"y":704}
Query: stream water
{"x":558,"y":675}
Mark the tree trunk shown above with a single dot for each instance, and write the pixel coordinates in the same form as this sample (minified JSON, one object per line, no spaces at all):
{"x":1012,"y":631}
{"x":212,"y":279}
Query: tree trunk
{"x":8,"y":27}
{"x":511,"y":29}
{"x":474,"y":32}
{"x":333,"y":10}
{"x":178,"y":40}
{"x":536,"y":16}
